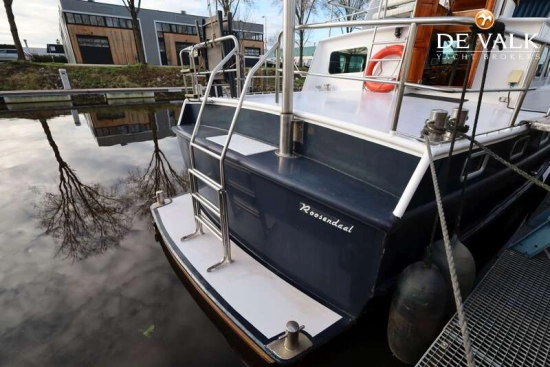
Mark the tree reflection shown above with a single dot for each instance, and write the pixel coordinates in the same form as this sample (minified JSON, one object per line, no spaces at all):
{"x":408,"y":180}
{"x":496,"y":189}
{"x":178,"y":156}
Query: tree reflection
{"x":159,"y":175}
{"x":86,"y":219}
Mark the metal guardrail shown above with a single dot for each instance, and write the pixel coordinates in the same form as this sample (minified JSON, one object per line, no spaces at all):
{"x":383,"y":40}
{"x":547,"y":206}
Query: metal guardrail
{"x":197,"y":46}
{"x":413,"y":23}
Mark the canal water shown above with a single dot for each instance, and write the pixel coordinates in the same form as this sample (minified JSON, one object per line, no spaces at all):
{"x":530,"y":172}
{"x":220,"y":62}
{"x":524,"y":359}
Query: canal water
{"x":82,"y":280}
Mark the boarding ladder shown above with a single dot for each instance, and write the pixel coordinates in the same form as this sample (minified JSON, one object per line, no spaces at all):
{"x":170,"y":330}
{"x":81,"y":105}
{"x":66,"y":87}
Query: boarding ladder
{"x":381,"y":14}
{"x":200,"y":202}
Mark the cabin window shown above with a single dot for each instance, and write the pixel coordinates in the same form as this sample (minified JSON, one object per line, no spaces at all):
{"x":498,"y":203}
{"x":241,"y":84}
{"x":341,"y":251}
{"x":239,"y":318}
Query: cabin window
{"x":519,"y":147}
{"x":352,"y":60}
{"x":478,"y":162}
{"x":447,"y":60}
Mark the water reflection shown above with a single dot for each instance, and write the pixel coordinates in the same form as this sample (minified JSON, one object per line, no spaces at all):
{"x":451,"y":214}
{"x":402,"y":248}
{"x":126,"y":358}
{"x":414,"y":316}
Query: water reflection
{"x":92,"y":312}
{"x":86,"y":220}
{"x":159,"y":175}
{"x":113,"y":126}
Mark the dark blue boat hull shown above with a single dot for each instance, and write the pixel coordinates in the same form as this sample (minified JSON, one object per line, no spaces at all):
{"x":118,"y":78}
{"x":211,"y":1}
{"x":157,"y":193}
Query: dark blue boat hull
{"x":331,"y":233}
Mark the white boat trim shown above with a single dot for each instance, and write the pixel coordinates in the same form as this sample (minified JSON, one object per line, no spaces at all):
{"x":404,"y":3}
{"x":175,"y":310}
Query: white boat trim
{"x":259,"y":296}
{"x":411,"y":187}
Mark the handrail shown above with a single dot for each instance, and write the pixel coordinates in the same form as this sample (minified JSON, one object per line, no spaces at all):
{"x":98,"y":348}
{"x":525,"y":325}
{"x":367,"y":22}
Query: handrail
{"x":247,"y":81}
{"x":277,"y":63}
{"x":391,"y":22}
{"x":432,"y":88}
{"x":204,"y":45}
{"x":404,"y":65}
{"x":211,"y":79}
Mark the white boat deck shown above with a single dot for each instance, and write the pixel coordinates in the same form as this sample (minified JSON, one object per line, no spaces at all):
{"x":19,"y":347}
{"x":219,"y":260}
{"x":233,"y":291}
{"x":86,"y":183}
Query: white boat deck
{"x":373,"y":111}
{"x":258,"y":295}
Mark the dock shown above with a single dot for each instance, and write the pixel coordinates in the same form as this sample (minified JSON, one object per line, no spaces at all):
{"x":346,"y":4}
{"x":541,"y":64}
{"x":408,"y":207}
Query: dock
{"x":88,"y":91}
{"x":508,"y":314}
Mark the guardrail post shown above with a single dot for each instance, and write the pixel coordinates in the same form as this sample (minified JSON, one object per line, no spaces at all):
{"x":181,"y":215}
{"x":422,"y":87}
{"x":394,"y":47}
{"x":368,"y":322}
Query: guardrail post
{"x":285,"y":137}
{"x":531,"y":72}
{"x":405,"y":66}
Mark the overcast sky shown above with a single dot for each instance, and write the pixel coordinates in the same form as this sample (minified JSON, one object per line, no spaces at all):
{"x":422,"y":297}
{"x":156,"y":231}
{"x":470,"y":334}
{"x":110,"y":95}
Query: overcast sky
{"x":37,"y":20}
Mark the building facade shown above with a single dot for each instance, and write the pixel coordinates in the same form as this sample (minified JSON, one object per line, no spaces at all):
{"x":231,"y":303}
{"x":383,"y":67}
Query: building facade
{"x":99,"y":33}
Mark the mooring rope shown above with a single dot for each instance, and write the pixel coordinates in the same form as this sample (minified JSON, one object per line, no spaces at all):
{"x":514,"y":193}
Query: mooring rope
{"x":450,"y":260}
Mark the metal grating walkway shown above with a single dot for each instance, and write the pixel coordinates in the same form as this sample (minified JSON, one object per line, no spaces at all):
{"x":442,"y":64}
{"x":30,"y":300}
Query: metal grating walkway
{"x":508,"y":317}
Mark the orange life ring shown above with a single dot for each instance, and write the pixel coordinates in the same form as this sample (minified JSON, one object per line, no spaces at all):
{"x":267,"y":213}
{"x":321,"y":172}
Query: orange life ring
{"x":395,"y":50}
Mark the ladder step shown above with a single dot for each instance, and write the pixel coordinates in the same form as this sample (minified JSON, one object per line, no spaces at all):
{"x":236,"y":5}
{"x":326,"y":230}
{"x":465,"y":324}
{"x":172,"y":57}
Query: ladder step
{"x":206,"y":203}
{"x":207,"y":151}
{"x":388,"y":42}
{"x":209,"y":225}
{"x":204,"y":178}
{"x":393,"y":59}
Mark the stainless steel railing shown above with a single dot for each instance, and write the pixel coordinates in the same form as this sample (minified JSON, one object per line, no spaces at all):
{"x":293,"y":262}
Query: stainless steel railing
{"x":413,"y":24}
{"x":233,"y":52}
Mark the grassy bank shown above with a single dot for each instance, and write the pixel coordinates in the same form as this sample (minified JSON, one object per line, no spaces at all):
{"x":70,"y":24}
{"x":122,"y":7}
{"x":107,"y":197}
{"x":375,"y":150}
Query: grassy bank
{"x":40,"y":76}
{"x":37,"y":76}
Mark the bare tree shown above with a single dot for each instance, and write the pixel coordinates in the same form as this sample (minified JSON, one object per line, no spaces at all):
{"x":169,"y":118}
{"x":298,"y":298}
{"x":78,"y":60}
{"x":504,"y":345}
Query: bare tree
{"x":304,"y":10}
{"x":347,"y":10}
{"x":13,"y":28}
{"x":134,"y":9}
{"x":231,"y":5}
{"x":159,"y":175}
{"x":87,"y":219}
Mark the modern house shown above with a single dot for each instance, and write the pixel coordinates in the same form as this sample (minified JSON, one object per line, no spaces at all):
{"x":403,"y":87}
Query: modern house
{"x":100,"y":33}
{"x":114,"y":126}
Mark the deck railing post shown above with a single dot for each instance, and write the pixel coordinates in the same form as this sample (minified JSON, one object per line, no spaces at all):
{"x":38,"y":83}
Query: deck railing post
{"x":405,"y":66}
{"x":531,"y":72}
{"x":285,"y":137}
{"x":277,"y":65}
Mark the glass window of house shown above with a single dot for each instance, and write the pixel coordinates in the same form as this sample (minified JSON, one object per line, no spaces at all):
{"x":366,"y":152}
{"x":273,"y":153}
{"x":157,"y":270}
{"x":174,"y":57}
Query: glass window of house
{"x":86,"y":19}
{"x":70,"y":18}
{"x":77,"y":19}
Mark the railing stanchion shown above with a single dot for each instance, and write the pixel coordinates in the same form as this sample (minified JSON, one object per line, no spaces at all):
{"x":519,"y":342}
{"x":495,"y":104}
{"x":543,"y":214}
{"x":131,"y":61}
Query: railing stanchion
{"x":531,"y":72}
{"x":407,"y":56}
{"x":277,"y":64}
{"x":285,"y":135}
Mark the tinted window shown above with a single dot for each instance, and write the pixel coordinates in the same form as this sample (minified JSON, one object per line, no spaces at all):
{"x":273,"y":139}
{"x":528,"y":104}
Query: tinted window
{"x":352,"y":60}
{"x":70,"y":18}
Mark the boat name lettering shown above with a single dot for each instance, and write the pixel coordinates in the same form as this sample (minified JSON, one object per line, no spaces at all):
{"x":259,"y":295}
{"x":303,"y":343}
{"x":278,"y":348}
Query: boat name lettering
{"x":335,"y":222}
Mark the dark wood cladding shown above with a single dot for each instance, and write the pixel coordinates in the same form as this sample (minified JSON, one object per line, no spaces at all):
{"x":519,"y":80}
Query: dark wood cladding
{"x":121,"y":42}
